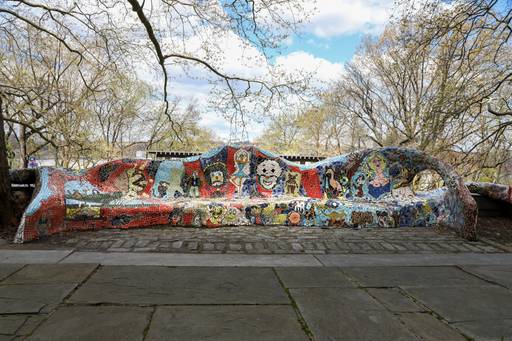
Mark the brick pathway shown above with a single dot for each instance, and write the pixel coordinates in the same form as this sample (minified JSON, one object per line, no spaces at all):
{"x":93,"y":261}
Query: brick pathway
{"x":267,"y":240}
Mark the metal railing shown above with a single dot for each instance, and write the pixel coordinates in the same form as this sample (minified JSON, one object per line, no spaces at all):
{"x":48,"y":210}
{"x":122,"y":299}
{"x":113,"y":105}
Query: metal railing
{"x":163,"y":154}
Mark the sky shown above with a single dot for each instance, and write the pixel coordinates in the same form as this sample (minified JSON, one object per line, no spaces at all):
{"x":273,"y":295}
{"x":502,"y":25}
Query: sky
{"x":323,"y":45}
{"x":337,"y":26}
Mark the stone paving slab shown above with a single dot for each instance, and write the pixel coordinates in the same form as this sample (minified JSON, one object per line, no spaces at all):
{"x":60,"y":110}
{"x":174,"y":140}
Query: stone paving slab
{"x":197,"y":285}
{"x":429,"y":328}
{"x":311,"y":277}
{"x":225,"y":323}
{"x":458,"y":304}
{"x":36,"y":288}
{"x":8,"y":269}
{"x":94,"y":323}
{"x":416,"y":259}
{"x":51,"y":274}
{"x":413,"y":276}
{"x":9,"y":324}
{"x":347,"y":314}
{"x":499,"y":274}
{"x":394,"y":300}
{"x":32,"y":298}
{"x":32,"y":322}
{"x":487,"y":330}
{"x":310,"y":303}
{"x":265,"y":240}
{"x":130,"y":258}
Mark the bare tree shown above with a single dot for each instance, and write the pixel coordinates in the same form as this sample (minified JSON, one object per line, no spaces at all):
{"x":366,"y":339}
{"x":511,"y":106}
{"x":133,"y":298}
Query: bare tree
{"x":438,"y":79}
{"x":108,"y":34}
{"x":5,"y":183}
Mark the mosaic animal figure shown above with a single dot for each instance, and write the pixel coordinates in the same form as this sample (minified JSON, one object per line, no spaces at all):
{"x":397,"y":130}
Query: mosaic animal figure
{"x":243,"y":185}
{"x":292,"y":183}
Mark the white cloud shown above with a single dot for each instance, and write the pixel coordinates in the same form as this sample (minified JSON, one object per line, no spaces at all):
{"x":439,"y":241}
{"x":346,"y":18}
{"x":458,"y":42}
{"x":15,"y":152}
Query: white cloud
{"x":288,"y":41}
{"x":322,"y":70}
{"x":296,"y":63}
{"x":232,"y":56}
{"x":222,"y":128}
{"x":225,"y":51}
{"x":332,"y":18}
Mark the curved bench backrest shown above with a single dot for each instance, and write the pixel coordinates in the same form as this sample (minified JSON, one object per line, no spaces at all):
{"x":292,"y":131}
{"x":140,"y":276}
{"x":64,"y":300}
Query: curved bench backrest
{"x":134,"y":193}
{"x":246,"y":171}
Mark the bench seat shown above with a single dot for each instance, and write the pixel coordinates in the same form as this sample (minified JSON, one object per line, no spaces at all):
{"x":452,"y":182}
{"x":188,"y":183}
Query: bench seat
{"x":244,"y":185}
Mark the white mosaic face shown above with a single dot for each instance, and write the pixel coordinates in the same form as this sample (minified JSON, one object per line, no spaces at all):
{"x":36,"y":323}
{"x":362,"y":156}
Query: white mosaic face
{"x":268,"y":171}
{"x":242,"y":156}
{"x":217,"y":178}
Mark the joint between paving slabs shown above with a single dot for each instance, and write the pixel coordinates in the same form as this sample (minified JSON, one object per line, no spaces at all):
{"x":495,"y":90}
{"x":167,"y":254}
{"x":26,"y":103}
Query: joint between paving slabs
{"x":81,"y":283}
{"x":425,"y":308}
{"x":318,"y":260}
{"x":47,"y":315}
{"x":295,"y":307}
{"x":21,"y":325}
{"x":150,"y":319}
{"x":151,"y":305}
{"x":67,"y":256}
{"x":28,"y":316}
{"x":15,"y":272}
{"x":432,"y":313}
{"x":481,"y":277}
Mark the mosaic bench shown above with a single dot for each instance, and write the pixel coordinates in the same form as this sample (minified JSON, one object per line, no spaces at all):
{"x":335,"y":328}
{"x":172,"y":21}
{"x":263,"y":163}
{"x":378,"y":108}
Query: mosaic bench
{"x":491,"y":190}
{"x":244,"y":185}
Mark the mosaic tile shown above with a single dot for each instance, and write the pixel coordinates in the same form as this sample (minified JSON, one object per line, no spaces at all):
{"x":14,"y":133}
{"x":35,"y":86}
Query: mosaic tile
{"x":243,"y":185}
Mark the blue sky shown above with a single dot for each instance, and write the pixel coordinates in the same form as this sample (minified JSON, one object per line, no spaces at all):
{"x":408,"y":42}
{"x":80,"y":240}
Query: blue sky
{"x":336,"y":50}
{"x":335,"y":27}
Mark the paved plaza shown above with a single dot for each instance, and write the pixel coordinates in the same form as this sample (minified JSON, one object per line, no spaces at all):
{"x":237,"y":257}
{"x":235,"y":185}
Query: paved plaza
{"x":412,"y":284}
{"x":96,"y":302}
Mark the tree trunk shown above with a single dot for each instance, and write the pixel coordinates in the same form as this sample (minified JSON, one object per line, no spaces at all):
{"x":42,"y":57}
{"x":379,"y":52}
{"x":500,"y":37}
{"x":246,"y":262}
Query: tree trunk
{"x":23,"y":147}
{"x":6,"y":212}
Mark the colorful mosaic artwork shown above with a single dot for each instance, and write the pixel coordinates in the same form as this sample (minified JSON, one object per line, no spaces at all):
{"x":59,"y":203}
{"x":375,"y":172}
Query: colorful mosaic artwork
{"x":492,"y":190}
{"x":242,"y":185}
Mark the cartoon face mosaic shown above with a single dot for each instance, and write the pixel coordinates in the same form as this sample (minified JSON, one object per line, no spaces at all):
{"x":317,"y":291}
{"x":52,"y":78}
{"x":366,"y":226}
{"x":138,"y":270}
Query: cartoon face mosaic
{"x":242,"y":185}
{"x":268,"y":172}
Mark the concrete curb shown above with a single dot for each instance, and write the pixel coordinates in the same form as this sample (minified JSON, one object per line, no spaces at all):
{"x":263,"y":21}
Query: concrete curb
{"x":180,"y":259}
{"x":173,"y":259}
{"x":33,"y":256}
